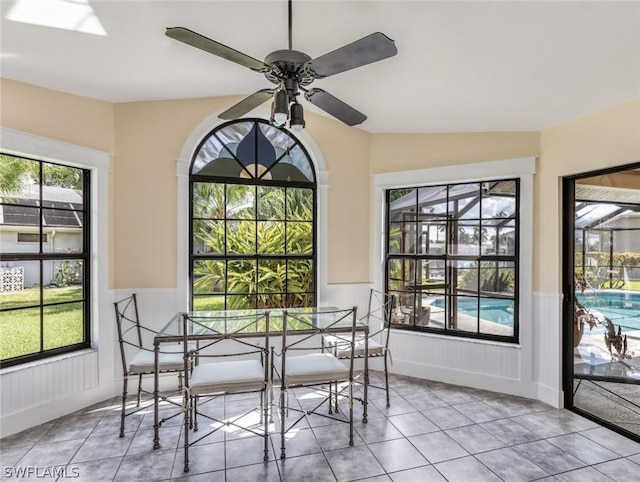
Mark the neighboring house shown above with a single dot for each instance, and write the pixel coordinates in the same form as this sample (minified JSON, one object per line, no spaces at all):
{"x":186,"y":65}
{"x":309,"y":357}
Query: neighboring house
{"x":19,"y":232}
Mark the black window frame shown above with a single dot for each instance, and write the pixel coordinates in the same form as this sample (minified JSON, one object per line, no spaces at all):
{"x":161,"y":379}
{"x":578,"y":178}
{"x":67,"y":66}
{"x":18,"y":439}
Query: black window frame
{"x":41,"y":257}
{"x":448,"y":258}
{"x":254,"y":257}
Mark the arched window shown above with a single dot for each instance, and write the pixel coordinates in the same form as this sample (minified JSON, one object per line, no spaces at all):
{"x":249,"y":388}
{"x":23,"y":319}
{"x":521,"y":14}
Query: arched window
{"x":252,"y":219}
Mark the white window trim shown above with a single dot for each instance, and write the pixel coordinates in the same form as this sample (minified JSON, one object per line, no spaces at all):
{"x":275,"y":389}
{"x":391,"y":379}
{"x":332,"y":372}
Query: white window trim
{"x":31,"y":146}
{"x":521,"y":168}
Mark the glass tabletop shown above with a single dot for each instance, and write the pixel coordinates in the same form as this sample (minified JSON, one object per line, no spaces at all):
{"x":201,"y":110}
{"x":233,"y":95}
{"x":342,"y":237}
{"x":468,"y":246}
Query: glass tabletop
{"x":248,"y":322}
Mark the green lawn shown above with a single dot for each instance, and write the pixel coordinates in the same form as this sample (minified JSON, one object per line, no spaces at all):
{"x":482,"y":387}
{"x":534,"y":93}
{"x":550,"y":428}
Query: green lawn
{"x":20,"y":331}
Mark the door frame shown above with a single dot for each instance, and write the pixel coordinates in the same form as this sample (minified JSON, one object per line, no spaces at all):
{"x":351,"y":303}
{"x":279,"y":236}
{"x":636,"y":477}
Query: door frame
{"x":568,"y":290}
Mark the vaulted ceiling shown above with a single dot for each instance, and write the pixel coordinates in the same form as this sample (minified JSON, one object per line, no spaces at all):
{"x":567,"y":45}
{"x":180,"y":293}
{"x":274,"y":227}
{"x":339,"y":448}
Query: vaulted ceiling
{"x":461,"y":66}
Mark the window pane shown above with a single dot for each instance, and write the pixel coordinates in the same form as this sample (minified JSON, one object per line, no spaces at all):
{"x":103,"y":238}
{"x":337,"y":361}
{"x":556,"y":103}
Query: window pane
{"x":241,"y":276}
{"x":299,"y":238}
{"x":241,"y":302}
{"x":401,"y":202}
{"x":401,"y":274}
{"x":62,"y":186}
{"x":434,"y":236}
{"x":299,"y":204}
{"x":464,"y":200}
{"x":208,"y":303}
{"x":496,"y":316}
{"x":402,"y":237}
{"x":498,"y":199}
{"x":300,"y":276}
{"x":20,"y":179}
{"x":62,"y":274}
{"x":294,"y":166}
{"x":19,"y":332}
{"x":469,"y":237}
{"x":464,"y":313}
{"x":217,"y":154}
{"x":63,"y":325}
{"x":209,"y":276}
{"x":272,"y":275}
{"x":241,"y":201}
{"x":497,"y":277}
{"x":241,"y":237}
{"x":25,"y":219}
{"x":208,"y":236}
{"x":271,"y":237}
{"x":208,"y":200}
{"x":271,"y":203}
{"x":20,"y":284}
{"x":466,"y":276}
{"x":433,"y":200}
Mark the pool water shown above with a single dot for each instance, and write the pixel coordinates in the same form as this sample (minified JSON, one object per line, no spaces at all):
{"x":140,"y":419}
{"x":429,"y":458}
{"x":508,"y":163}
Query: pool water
{"x":621,"y":307}
{"x":495,"y":310}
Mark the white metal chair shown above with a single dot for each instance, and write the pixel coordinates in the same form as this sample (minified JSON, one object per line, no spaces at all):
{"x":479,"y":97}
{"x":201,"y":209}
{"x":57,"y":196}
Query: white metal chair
{"x":242,"y":341}
{"x":131,"y":333}
{"x":380,"y":308}
{"x":313,"y":368}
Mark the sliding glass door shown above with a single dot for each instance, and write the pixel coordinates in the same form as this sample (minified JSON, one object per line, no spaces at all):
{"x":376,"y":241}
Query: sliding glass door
{"x":602,"y":296}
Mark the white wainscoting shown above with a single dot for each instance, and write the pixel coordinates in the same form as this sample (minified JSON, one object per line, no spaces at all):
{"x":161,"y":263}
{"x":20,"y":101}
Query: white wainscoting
{"x":45,"y":390}
{"x":48,"y":389}
{"x":547,"y":346}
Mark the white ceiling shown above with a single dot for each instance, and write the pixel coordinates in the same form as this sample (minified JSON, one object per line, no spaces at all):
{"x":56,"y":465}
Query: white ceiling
{"x":461,"y":66}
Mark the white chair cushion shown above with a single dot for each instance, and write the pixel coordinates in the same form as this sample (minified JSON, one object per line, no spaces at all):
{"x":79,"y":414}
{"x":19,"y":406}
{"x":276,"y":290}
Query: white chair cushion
{"x":344,"y":351}
{"x":313,"y":368}
{"x":230,"y":376}
{"x":170,"y":358}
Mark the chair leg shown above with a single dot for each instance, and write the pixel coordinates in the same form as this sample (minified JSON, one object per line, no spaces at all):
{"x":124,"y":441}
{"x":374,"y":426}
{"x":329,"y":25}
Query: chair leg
{"x":350,"y":412}
{"x":282,"y":416}
{"x":386,"y":379}
{"x":331,"y":397}
{"x":265,"y":404}
{"x":186,"y":433}
{"x":195,"y":413}
{"x":336,"y":395}
{"x":123,"y":413}
{"x":139,"y":389}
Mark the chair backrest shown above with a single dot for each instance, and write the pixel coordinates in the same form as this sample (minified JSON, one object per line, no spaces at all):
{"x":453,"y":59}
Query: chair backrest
{"x":241,"y":334}
{"x":380,"y":310}
{"x":310,"y":328}
{"x":129,"y":328}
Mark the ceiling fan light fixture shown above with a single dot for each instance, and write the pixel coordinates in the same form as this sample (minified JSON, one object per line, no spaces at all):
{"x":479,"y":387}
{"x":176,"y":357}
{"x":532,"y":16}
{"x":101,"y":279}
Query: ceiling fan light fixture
{"x":297,"y":117}
{"x":280,"y":108}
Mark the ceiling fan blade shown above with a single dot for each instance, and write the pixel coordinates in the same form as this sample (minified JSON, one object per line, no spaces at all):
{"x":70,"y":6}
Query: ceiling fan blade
{"x":247,"y":104}
{"x":367,"y":50}
{"x":334,"y":106}
{"x":216,"y":48}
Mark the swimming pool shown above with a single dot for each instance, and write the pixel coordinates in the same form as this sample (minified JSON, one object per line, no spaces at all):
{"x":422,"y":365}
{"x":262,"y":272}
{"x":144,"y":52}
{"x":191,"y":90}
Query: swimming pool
{"x":496,"y":310}
{"x":620,"y":306}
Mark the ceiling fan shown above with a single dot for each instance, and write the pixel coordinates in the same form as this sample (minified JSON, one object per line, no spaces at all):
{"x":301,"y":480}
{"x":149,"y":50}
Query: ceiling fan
{"x":292,"y":71}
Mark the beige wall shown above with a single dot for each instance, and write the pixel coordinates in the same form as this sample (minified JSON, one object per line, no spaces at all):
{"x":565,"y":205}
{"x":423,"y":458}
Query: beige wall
{"x":606,"y":139}
{"x":146,"y":138}
{"x":404,"y":152}
{"x":64,"y":117}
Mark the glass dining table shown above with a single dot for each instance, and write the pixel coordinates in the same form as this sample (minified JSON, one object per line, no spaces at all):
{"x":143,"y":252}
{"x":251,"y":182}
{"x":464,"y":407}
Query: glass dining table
{"x":221,"y":324}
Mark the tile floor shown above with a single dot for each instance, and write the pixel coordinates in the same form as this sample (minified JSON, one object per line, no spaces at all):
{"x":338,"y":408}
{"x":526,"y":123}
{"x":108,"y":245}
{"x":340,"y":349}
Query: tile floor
{"x":431,"y":432}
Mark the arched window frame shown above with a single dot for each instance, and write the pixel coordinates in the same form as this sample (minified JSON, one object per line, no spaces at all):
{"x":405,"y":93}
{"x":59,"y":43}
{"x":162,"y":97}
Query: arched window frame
{"x":318,"y":201}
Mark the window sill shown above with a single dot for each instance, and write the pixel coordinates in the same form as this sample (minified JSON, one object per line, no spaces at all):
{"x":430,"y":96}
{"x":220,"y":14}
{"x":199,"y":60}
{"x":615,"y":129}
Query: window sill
{"x":44,"y":361}
{"x":461,"y":339}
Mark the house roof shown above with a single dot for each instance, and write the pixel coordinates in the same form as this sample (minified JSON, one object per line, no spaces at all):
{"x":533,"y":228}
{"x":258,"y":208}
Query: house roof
{"x":461,"y":66}
{"x":62,"y":207}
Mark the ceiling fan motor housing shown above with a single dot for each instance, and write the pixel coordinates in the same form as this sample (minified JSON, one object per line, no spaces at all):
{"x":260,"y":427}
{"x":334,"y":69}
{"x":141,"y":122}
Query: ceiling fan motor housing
{"x":289,"y":66}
